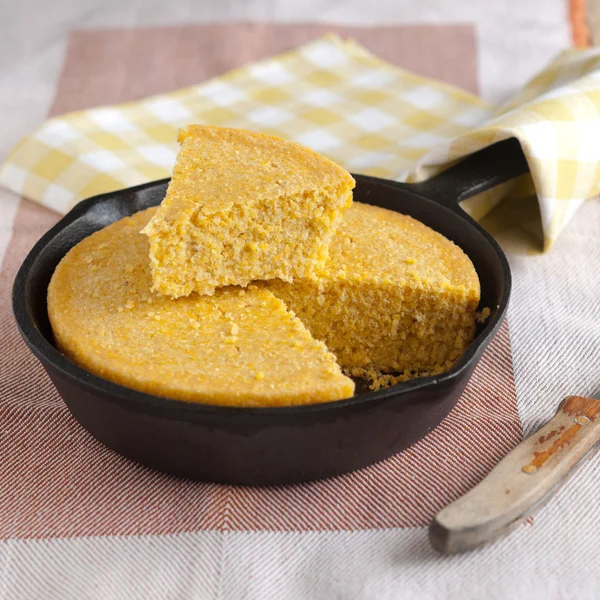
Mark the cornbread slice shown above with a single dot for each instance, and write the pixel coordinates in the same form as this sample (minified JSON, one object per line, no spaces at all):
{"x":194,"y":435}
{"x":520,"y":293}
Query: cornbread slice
{"x":244,"y":206}
{"x":395,"y":296}
{"x":238,"y":347}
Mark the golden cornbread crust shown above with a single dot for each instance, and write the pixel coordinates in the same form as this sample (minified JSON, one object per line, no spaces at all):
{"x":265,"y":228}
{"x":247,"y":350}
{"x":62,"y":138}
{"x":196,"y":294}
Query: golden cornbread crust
{"x":244,"y":206}
{"x":238,"y":347}
{"x":394,"y":297}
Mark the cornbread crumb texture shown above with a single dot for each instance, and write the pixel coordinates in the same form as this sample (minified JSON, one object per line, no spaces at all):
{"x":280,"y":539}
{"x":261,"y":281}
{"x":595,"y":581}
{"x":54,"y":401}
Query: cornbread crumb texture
{"x":238,"y":347}
{"x":484,"y":315}
{"x":395,"y":296}
{"x":244,"y":206}
{"x":378,"y":381}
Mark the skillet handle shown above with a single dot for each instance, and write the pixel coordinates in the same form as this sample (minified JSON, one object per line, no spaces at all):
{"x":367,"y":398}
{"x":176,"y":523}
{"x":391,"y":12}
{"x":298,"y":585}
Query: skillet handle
{"x":477,"y":173}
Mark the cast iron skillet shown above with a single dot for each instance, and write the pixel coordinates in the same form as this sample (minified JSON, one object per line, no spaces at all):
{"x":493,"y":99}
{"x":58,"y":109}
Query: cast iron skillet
{"x":268,"y":446}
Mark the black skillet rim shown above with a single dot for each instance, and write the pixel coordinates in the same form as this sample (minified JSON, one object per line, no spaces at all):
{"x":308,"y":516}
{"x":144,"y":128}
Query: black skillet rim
{"x":44,"y":350}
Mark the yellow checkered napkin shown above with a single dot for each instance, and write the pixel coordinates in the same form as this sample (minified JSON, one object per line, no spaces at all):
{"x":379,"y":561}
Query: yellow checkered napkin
{"x":338,"y":99}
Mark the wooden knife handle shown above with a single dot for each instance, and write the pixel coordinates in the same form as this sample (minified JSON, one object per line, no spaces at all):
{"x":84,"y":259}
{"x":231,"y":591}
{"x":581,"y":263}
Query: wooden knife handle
{"x":523,"y":481}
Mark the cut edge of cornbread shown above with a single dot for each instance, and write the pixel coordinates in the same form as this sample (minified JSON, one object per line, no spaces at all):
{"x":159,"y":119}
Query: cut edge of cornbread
{"x":395,"y":297}
{"x":244,"y":206}
{"x":380,"y":327}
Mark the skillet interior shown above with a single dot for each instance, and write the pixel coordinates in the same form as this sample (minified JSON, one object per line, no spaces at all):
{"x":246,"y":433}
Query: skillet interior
{"x":255,"y":446}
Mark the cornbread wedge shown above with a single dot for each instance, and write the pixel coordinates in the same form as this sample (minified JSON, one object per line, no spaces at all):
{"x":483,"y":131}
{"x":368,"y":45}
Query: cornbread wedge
{"x":395,"y":296}
{"x":244,"y":206}
{"x":238,"y":347}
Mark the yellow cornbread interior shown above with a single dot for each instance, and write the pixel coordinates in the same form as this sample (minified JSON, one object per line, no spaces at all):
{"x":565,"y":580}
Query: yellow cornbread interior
{"x":395,"y":296}
{"x":237,"y":347}
{"x":244,"y":206}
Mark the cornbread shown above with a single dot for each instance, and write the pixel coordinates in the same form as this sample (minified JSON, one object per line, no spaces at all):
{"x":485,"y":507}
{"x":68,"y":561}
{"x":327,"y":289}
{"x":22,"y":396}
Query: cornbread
{"x":237,"y":347}
{"x":395,"y":296}
{"x":244,"y":206}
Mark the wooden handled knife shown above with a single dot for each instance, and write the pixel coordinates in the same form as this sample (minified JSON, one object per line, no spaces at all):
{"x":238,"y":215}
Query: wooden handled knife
{"x":523,"y":481}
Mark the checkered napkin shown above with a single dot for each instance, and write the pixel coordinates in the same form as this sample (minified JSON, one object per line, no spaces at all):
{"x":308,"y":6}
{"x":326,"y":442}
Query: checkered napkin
{"x":337,"y":98}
